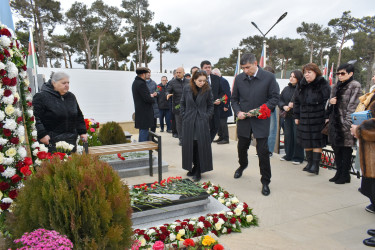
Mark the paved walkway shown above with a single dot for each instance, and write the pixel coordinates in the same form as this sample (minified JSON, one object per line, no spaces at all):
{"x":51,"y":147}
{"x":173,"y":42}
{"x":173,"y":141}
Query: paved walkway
{"x":303,"y":211}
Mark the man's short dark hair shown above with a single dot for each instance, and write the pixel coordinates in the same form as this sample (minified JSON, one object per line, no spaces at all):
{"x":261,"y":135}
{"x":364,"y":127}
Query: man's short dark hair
{"x":269,"y":69}
{"x":247,"y":58}
{"x":164,"y":77}
{"x":194,"y":67}
{"x":142,"y":70}
{"x":205,"y":62}
{"x":347,"y":67}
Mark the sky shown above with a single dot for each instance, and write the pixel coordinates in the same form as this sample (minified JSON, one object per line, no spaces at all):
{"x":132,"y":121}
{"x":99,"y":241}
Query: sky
{"x":211,"y":29}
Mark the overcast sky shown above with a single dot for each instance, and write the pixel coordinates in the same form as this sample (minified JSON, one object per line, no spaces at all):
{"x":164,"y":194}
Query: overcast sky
{"x":210,"y":29}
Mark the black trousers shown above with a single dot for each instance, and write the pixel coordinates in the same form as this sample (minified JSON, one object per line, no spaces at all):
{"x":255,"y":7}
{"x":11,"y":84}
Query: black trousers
{"x":223,"y":129}
{"x":263,"y":155}
{"x":213,"y":128}
{"x":153,"y":128}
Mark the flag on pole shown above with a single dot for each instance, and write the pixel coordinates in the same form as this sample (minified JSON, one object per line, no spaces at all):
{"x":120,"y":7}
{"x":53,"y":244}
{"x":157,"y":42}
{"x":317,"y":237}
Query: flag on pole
{"x":261,"y":61}
{"x":5,"y":14}
{"x":325,"y":71}
{"x":331,"y":75}
{"x":32,"y":60}
{"x":237,"y":69}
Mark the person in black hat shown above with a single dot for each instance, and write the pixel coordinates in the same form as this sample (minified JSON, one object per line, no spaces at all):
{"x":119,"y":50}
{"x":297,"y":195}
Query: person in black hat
{"x":143,"y":100}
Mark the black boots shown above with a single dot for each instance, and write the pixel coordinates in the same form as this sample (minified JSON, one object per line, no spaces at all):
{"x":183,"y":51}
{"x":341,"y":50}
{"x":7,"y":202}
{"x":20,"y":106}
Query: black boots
{"x":314,"y":169}
{"x":309,"y":160}
{"x":343,"y":159}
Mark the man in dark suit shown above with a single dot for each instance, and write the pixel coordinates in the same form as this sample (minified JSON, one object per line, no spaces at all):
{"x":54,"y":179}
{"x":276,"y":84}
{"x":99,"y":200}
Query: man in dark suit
{"x":253,"y":88}
{"x":217,"y":92}
{"x":143,"y":100}
{"x":225,"y":110}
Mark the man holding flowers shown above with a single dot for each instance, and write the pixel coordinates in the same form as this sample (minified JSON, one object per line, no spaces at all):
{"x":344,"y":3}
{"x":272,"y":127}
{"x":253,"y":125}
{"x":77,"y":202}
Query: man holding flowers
{"x":255,"y":92}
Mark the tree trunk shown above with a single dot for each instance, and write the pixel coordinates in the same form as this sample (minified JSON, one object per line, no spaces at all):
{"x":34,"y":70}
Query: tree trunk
{"x":321,"y":58}
{"x":70,"y":59}
{"x":64,"y":55}
{"x":311,"y":52}
{"x":88,"y":52}
{"x":341,"y":45}
{"x":97,"y":51}
{"x":161,"y":58}
{"x":141,"y":44}
{"x":50,"y":62}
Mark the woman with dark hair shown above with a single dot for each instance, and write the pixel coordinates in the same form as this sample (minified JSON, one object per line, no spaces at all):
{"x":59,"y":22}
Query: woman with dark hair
{"x":309,"y":112}
{"x":57,"y":113}
{"x":293,"y":151}
{"x":343,"y":102}
{"x":197,"y":107}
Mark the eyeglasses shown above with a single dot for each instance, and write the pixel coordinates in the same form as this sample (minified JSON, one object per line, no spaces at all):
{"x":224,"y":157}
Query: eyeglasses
{"x":341,"y":73}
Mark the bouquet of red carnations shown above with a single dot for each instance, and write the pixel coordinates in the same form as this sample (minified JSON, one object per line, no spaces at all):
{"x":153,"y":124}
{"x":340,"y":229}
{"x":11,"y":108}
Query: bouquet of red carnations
{"x":224,"y":99}
{"x":263,"y":112}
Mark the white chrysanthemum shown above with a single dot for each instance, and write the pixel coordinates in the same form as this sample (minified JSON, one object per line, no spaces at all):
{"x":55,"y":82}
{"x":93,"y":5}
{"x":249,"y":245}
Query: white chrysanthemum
{"x":2,"y":115}
{"x":209,"y":218}
{"x":11,"y":152}
{"x":34,"y":133}
{"x":1,"y":158}
{"x":12,"y":69}
{"x":151,"y":231}
{"x":221,"y":221}
{"x":237,"y":211}
{"x":228,"y":204}
{"x":79,"y":149}
{"x":35,"y":152}
{"x":229,"y":213}
{"x":9,"y":172}
{"x":235,"y":200}
{"x":221,"y":194}
{"x":29,"y":97}
{"x":17,"y":112}
{"x":8,"y":160}
{"x":10,"y":124}
{"x":218,"y":226}
{"x":5,"y":41}
{"x":192,"y":222}
{"x":200,"y":224}
{"x":2,"y":66}
{"x":20,"y":130}
{"x":38,"y":162}
{"x":16,"y":95}
{"x":7,"y":200}
{"x":181,"y":232}
{"x":9,"y":99}
{"x":222,"y":201}
{"x":23,"y":74}
{"x":173,"y":226}
{"x":3,"y":141}
{"x":9,"y":109}
{"x":172,"y":237}
{"x":224,"y":230}
{"x":22,"y":139}
{"x":27,"y":82}
{"x":249,"y":218}
{"x":1,"y":91}
{"x":35,"y":144}
{"x":22,"y":152}
{"x":30,"y":112}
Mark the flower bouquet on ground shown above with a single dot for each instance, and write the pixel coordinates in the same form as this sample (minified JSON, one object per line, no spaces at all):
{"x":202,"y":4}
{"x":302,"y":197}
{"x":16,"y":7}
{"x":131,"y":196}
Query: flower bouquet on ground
{"x":44,"y":239}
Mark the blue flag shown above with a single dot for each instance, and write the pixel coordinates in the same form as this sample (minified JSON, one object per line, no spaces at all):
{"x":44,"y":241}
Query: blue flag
{"x":6,"y":14}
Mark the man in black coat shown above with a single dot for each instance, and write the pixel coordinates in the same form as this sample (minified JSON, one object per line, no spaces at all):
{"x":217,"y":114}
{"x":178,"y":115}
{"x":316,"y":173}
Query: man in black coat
{"x":143,"y":100}
{"x":175,"y":88}
{"x":253,"y":88}
{"x":225,"y":110}
{"x":217,"y":92}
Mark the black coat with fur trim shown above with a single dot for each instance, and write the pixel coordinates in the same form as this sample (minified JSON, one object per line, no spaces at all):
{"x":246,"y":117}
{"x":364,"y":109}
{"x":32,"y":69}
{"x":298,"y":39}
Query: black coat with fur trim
{"x":309,"y":108}
{"x":340,"y":121}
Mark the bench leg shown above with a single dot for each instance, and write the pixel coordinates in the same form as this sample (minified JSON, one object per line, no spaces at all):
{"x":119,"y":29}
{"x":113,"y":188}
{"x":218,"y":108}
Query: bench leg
{"x":150,"y":162}
{"x":159,"y":164}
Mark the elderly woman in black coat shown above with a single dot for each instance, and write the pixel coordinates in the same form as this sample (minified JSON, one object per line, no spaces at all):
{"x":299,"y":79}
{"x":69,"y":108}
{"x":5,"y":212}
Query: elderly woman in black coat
{"x":196,"y":108}
{"x":344,"y":101}
{"x":310,"y":115}
{"x":293,"y":151}
{"x":57,"y":113}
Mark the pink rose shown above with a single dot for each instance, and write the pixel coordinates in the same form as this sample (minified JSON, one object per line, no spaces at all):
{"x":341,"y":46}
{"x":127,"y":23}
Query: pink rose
{"x":159,"y":245}
{"x":92,"y":130}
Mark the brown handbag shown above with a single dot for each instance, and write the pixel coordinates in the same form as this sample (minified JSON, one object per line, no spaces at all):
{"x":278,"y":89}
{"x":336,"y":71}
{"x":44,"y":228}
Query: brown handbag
{"x":325,"y":128}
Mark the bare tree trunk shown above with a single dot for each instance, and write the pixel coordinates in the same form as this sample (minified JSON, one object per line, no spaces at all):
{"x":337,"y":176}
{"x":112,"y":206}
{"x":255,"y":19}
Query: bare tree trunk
{"x":70,"y":59}
{"x":321,"y":58}
{"x":341,"y":45}
{"x":88,"y":52}
{"x":50,"y":62}
{"x":141,"y":44}
{"x":64,"y":55}
{"x":161,"y":58}
{"x":311,"y":52}
{"x":97,"y":51}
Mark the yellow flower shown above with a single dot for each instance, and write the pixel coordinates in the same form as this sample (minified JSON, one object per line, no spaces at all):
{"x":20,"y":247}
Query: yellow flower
{"x":1,"y":158}
{"x":222,"y":201}
{"x":249,"y":218}
{"x":182,"y":232}
{"x":237,"y":211}
{"x":178,"y":237}
{"x":218,"y":226}
{"x":1,"y":195}
{"x":22,"y":139}
{"x":17,"y":95}
{"x":11,"y":152}
{"x":143,"y":242}
{"x":9,"y":109}
{"x":208,"y":240}
{"x":27,"y":82}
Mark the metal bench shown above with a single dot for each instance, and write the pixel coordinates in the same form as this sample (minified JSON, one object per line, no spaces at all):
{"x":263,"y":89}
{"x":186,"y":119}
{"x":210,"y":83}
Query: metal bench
{"x":154,"y":143}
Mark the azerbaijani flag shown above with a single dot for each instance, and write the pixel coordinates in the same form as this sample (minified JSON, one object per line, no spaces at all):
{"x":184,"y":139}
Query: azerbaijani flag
{"x":5,"y":14}
{"x":331,"y":75}
{"x":261,"y":61}
{"x":32,"y":60}
{"x":325,"y":71}
{"x":237,"y":69}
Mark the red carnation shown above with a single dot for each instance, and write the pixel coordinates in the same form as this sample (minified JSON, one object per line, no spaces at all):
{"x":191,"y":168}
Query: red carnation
{"x":233,"y":220}
{"x":189,"y":243}
{"x":207,"y":224}
{"x":32,"y":118}
{"x":19,"y":164}
{"x":2,"y":168}
{"x":218,"y":247}
{"x":215,"y":220}
{"x":24,"y":67}
{"x":59,"y":155}
{"x":199,"y":231}
{"x":191,"y":228}
{"x":4,"y":206}
{"x":19,"y":119}
{"x":25,"y":171}
{"x":41,"y":155}
{"x":6,"y":53}
{"x":201,"y":219}
{"x":13,"y":194}
{"x":147,"y":238}
{"x":16,"y":178}
{"x":7,"y":132}
{"x":29,"y":104}
{"x":229,"y":230}
{"x":5,"y":32}
{"x":28,"y":161}
{"x":6,"y":81}
{"x":15,"y":100}
{"x":7,"y":92}
{"x":2,"y":72}
{"x":13,"y":81}
{"x":4,"y":186}
{"x":14,"y":140}
{"x":29,"y":89}
{"x":17,"y":44}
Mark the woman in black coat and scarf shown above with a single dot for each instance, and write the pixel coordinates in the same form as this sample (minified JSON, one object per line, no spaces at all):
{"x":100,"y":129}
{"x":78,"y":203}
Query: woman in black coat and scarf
{"x":196,"y":108}
{"x":57,"y":113}
{"x":310,"y":115}
{"x":344,"y":101}
{"x":293,"y":151}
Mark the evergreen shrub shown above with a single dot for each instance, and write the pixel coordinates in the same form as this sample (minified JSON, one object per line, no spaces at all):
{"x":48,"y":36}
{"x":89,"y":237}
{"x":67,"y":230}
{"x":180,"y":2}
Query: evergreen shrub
{"x":111,"y":133}
{"x":82,"y":198}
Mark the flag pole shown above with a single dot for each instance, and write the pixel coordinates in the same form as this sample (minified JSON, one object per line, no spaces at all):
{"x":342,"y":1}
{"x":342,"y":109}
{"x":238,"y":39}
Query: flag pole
{"x":35,"y":72}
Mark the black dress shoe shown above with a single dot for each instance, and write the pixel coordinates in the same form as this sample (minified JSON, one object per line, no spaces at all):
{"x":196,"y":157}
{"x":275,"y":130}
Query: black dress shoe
{"x":371,"y":232}
{"x":223,"y":142}
{"x":369,"y":242}
{"x":238,"y":172}
{"x":189,"y":173}
{"x":169,"y":131}
{"x":175,"y":135}
{"x":196,"y":178}
{"x":266,"y":190}
{"x":218,"y":139}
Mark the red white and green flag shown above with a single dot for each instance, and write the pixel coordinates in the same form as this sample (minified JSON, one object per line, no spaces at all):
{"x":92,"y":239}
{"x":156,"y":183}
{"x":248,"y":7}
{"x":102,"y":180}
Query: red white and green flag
{"x":32,"y":60}
{"x":331,"y":75}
